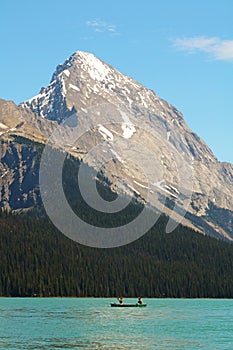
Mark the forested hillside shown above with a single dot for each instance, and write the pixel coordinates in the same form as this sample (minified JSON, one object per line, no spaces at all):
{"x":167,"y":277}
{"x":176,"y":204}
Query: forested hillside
{"x":36,"y":260}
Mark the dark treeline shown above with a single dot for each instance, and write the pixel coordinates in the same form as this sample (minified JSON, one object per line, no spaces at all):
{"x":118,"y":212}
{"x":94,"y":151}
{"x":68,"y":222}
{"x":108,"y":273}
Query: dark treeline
{"x":38,"y":260}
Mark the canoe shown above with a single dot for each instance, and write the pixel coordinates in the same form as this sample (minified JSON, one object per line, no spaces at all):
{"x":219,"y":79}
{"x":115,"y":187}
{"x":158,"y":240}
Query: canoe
{"x":128,"y":305}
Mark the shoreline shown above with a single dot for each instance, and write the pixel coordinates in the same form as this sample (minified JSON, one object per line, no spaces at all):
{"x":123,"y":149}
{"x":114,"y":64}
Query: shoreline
{"x":114,"y":297}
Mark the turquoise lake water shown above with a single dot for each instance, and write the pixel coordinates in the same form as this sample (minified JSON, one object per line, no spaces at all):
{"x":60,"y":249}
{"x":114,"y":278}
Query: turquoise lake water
{"x":73,"y":323}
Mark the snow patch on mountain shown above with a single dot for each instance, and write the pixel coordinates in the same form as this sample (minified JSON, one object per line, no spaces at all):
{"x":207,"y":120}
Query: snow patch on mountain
{"x":165,"y":188}
{"x":74,"y":87}
{"x":3,"y":126}
{"x":66,"y":72}
{"x":128,"y":130}
{"x":139,"y":184}
{"x":127,"y":126}
{"x":64,"y":91}
{"x":118,"y":157}
{"x":134,"y":190}
{"x":107,"y":135}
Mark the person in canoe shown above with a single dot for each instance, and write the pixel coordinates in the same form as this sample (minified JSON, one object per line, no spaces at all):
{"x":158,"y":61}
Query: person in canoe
{"x":120,"y":299}
{"x":140,"y":300}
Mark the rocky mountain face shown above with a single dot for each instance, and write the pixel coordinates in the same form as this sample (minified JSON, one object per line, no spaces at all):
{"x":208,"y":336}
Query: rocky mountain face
{"x":22,"y":134}
{"x":140,"y":143}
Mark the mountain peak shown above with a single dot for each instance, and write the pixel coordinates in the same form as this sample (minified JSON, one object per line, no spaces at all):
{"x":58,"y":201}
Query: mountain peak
{"x":78,"y":80}
{"x":84,"y":55}
{"x":87,"y":62}
{"x":97,"y":69}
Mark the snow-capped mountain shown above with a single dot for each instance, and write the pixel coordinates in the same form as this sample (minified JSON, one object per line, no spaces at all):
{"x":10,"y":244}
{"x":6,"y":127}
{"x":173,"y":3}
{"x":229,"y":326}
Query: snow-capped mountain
{"x":146,"y":146}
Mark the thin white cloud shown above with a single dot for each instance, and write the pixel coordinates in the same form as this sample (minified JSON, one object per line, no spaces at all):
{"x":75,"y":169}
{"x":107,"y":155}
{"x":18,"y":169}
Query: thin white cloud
{"x":100,"y":26}
{"x":218,"y":49}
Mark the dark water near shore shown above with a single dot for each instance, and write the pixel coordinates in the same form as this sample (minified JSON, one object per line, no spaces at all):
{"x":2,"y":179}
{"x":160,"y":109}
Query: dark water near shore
{"x":70,"y":323}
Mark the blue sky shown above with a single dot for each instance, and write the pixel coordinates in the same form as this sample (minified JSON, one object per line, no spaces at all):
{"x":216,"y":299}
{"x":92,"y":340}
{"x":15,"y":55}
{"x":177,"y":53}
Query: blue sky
{"x":183,"y":50}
